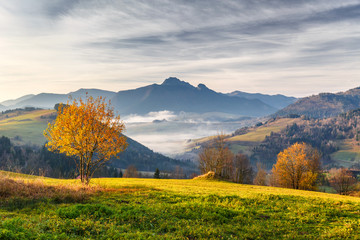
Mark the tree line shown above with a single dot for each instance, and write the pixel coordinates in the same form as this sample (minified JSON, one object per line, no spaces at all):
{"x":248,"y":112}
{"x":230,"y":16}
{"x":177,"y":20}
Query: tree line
{"x":297,"y":167}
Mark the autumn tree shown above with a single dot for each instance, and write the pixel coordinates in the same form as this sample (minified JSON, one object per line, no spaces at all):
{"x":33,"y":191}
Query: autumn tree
{"x":341,"y":180}
{"x":297,"y":167}
{"x":217,"y":157}
{"x":88,"y":130}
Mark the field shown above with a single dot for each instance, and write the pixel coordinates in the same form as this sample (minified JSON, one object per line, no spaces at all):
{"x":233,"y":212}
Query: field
{"x":172,"y":209}
{"x":25,"y":127}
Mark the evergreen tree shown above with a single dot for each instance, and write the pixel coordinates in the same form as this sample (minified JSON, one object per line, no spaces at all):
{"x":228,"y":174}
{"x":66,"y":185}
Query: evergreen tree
{"x":157,"y":174}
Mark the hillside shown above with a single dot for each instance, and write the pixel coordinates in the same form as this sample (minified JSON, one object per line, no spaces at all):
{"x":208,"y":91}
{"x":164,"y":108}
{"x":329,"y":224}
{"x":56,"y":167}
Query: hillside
{"x":324,"y":105}
{"x":175,"y":95}
{"x":337,"y":138}
{"x":170,"y":209}
{"x":25,"y":127}
{"x":277,"y":101}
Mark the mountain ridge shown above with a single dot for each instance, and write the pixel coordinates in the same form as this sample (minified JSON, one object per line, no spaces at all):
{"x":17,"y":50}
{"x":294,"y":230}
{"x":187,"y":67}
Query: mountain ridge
{"x":324,"y":105}
{"x":172,"y":94}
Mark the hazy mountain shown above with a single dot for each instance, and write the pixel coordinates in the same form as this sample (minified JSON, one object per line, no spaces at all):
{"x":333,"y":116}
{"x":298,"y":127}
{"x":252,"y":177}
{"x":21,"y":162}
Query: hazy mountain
{"x":175,"y":95}
{"x":2,"y":107}
{"x":48,"y":100}
{"x":146,"y":160}
{"x":92,"y":92}
{"x":324,"y":104}
{"x":277,"y":101}
{"x":15,"y":101}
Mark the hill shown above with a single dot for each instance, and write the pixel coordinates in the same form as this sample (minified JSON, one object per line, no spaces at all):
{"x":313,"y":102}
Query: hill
{"x":169,"y":209}
{"x":48,"y":100}
{"x":337,"y":138}
{"x":13,"y":102}
{"x":25,"y":128}
{"x":2,"y":107}
{"x":175,"y":95}
{"x":277,"y":101}
{"x":324,"y":104}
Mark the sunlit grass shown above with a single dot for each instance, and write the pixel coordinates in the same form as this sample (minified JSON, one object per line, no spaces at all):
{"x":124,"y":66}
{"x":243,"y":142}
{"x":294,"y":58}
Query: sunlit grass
{"x":176,"y":209}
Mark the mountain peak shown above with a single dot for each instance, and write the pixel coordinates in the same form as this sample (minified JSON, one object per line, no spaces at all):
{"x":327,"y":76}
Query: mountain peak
{"x":202,"y":86}
{"x":173,"y":81}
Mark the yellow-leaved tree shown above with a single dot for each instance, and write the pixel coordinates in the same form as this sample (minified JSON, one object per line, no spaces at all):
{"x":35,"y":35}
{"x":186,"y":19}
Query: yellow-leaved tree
{"x":88,"y":130}
{"x":297,"y":167}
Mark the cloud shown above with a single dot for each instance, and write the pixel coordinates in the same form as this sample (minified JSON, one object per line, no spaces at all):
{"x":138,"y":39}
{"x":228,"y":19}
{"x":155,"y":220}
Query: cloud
{"x":228,"y":45}
{"x":150,"y":117}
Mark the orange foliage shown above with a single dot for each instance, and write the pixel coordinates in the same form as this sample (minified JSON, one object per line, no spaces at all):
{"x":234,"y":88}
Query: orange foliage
{"x":88,"y":130}
{"x":297,"y":167}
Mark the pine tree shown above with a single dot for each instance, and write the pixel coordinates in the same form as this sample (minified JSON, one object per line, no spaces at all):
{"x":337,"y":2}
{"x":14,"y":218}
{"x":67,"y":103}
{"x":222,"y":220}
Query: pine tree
{"x":157,"y":174}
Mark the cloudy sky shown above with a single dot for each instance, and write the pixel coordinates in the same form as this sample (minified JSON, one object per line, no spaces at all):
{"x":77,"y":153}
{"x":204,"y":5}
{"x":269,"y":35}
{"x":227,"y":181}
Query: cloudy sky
{"x":295,"y":48}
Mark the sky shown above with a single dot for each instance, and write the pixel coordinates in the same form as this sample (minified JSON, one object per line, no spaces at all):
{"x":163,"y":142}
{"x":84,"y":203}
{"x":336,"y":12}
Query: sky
{"x":297,"y":48}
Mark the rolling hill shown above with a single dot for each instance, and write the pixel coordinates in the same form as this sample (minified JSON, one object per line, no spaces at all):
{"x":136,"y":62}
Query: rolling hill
{"x":337,"y":138}
{"x":48,"y":100}
{"x":25,"y":127}
{"x":277,"y":101}
{"x":324,"y":104}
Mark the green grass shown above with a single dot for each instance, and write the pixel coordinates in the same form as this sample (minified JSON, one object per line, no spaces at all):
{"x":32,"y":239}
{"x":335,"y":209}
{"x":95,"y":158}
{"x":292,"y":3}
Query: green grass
{"x":27,"y":125}
{"x":258,"y":134}
{"x":181,"y":209}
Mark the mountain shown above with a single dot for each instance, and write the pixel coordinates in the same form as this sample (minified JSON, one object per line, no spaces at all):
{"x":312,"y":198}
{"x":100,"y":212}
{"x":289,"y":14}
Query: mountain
{"x":48,"y":100}
{"x":277,"y":101}
{"x":2,"y":107}
{"x":175,"y":95}
{"x":25,"y":129}
{"x":324,"y":104}
{"x":15,"y":101}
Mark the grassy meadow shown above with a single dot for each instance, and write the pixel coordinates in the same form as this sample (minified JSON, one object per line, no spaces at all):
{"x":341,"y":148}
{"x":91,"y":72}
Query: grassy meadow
{"x":44,"y":208}
{"x":25,"y":127}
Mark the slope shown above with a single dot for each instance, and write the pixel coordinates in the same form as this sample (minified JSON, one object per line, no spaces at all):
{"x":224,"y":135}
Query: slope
{"x":337,"y":138}
{"x":324,"y":104}
{"x":25,"y":127}
{"x":172,"y":209}
{"x":48,"y":100}
{"x":277,"y":101}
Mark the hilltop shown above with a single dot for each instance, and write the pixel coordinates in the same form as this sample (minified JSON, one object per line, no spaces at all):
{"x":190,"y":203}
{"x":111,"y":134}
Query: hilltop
{"x":170,"y":209}
{"x":324,"y":105}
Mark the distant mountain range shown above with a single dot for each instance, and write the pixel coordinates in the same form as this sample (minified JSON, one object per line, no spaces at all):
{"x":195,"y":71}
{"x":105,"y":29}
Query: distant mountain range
{"x":324,"y":104}
{"x":277,"y":101}
{"x":175,"y":95}
{"x":172,"y":95}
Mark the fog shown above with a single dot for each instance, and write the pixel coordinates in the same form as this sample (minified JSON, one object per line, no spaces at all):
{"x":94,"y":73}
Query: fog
{"x":167,"y":132}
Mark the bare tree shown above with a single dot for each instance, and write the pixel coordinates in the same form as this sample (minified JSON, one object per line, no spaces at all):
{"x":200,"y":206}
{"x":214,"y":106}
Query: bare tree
{"x":341,"y":180}
{"x":243,"y":171}
{"x":217,"y":157}
{"x":260,"y":178}
{"x":131,"y":172}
